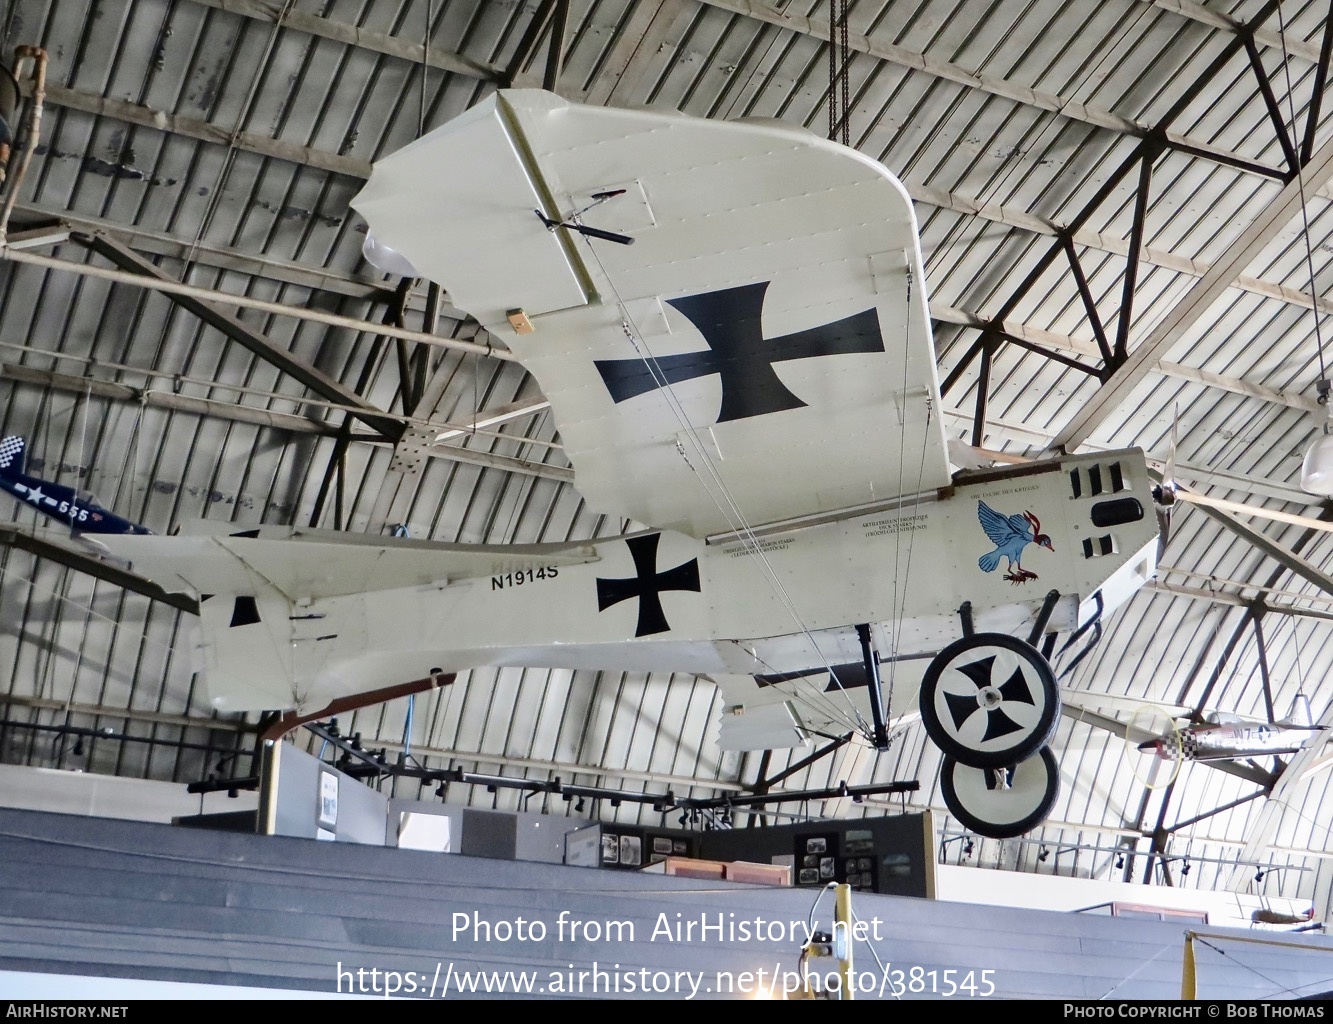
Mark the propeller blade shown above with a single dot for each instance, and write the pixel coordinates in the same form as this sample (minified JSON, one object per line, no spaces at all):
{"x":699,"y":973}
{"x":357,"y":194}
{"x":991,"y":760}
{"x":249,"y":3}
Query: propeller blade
{"x":1164,"y":494}
{"x":1171,"y":452}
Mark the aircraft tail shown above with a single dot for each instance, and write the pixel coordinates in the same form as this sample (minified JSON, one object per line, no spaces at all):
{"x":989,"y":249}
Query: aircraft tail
{"x":12,"y":455}
{"x":1299,"y":717}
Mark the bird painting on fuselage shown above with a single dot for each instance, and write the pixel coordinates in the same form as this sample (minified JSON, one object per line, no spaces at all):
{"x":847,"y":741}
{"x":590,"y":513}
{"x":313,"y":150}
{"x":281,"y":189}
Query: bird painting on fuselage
{"x":64,"y":504}
{"x":1010,"y":535}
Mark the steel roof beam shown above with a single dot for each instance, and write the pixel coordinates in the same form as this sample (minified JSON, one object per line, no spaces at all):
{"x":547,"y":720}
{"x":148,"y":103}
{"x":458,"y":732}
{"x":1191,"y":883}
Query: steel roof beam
{"x":307,"y":156}
{"x":213,"y":408}
{"x":1051,"y":102}
{"x":1287,"y":558}
{"x":1230,"y":805}
{"x":1201,"y":14}
{"x":231,"y":326}
{"x":95,"y":567}
{"x":1085,"y":293}
{"x":204,"y":131}
{"x":1098,"y":242}
{"x":280,"y":421}
{"x":1262,"y":647}
{"x":1197,"y":301}
{"x":1229,"y":598}
{"x":236,"y":724}
{"x":159,"y":243}
{"x":173,"y":286}
{"x":1126,"y":314}
{"x":324,"y":279}
{"x":1148,"y":144}
{"x":313,"y":277}
{"x":532,"y":38}
{"x":1317,"y":92}
{"x":133,"y":113}
{"x":286,"y":16}
{"x":1270,"y":103}
{"x":1037,"y":339}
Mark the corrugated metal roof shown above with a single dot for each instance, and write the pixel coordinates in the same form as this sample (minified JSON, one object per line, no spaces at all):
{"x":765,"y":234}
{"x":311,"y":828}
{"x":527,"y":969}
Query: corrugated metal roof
{"x":223,"y":139}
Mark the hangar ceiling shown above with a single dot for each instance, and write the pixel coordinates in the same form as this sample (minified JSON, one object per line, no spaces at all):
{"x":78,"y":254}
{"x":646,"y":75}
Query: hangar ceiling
{"x":1125,"y":218}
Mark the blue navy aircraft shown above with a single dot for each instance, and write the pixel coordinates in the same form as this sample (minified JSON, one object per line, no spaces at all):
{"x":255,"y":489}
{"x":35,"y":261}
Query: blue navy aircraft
{"x":63,"y":504}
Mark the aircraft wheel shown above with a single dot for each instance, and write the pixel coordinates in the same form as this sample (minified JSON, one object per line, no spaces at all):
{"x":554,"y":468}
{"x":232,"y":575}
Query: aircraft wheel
{"x":1001,"y":803}
{"x":989,"y":700}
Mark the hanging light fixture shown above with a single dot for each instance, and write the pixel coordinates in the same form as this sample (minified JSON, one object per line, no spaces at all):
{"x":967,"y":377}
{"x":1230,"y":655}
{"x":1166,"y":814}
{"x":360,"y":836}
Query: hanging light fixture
{"x":386,"y":259}
{"x":1317,"y":467}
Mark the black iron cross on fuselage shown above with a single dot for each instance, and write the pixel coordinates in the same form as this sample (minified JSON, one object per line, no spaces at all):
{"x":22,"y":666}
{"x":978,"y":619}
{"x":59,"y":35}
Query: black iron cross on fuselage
{"x":646,"y":584}
{"x":730,"y":320}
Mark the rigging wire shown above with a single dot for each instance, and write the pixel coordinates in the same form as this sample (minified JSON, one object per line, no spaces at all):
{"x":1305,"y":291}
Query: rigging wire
{"x":81,"y":465}
{"x":718,"y":490}
{"x":900,"y":608}
{"x":1305,"y":214}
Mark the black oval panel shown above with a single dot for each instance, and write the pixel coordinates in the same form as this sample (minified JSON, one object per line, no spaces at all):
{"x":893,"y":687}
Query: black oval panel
{"x":1116,"y":512}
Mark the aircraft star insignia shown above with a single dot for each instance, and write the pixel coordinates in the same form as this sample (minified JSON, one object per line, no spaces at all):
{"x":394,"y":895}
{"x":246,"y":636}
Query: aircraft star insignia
{"x":56,"y":500}
{"x":730,"y":321}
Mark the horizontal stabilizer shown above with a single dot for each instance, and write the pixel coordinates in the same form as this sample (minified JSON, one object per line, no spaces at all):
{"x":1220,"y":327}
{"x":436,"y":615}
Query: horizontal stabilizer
{"x":766,"y":728}
{"x":321,"y":564}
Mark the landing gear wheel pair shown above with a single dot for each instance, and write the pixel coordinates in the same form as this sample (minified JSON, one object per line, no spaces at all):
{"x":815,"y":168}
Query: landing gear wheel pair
{"x":990,"y":702}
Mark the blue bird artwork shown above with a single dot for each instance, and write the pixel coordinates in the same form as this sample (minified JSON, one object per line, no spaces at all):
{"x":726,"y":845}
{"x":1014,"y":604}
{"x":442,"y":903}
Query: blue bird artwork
{"x":1010,"y":535}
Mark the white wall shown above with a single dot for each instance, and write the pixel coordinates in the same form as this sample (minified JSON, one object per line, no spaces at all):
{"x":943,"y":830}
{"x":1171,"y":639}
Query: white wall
{"x":994,"y":887}
{"x":109,"y":796}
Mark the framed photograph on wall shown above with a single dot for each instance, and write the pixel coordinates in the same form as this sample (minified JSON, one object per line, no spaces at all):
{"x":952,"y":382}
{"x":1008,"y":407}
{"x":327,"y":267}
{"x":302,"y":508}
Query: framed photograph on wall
{"x":328,"y":799}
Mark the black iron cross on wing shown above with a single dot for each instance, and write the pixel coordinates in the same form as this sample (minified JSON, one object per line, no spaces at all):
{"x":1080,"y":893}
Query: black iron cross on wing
{"x":730,"y":321}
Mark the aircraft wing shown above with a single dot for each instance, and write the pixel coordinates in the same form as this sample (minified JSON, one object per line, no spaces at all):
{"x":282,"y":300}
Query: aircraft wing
{"x":317,"y":564}
{"x":760,"y":351}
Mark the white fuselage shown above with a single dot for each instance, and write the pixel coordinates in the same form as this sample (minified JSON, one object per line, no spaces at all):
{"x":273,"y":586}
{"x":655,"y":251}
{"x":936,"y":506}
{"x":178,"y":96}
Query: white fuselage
{"x":660,"y":601}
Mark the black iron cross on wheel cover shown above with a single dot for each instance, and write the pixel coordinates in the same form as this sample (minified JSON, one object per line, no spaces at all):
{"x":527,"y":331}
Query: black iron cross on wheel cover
{"x":647,"y":584}
{"x":730,"y":320}
{"x":989,"y":700}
